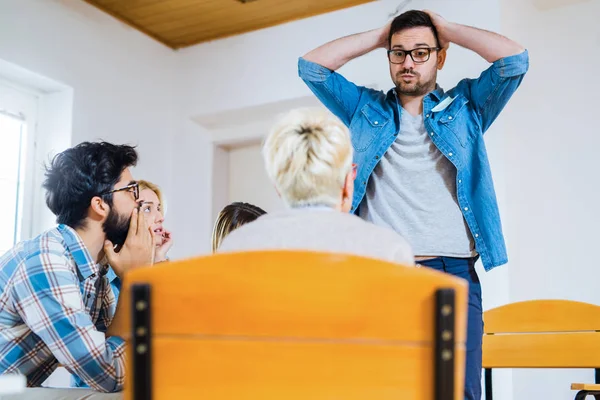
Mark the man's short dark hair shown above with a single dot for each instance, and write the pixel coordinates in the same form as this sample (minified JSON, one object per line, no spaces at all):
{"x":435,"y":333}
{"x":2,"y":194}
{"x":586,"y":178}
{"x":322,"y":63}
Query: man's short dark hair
{"x":78,"y":174}
{"x":412,"y":19}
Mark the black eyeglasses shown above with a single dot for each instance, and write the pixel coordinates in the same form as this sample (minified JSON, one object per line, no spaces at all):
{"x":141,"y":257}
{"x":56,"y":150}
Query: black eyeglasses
{"x":419,"y":55}
{"x":132,"y":187}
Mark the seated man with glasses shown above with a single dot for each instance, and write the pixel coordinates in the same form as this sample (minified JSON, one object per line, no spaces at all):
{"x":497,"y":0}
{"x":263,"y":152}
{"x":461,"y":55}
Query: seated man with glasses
{"x":57,"y":297}
{"x":423,"y":167}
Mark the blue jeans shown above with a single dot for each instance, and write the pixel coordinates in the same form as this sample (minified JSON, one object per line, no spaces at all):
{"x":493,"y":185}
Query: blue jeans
{"x":465,"y":268}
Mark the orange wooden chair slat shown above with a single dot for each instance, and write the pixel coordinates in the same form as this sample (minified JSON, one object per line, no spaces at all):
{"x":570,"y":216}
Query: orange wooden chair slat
{"x":542,"y":334}
{"x":294,"y":325}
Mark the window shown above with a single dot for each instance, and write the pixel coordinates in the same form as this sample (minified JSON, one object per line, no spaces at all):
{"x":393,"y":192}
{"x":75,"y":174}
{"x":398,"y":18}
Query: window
{"x":13,"y":132}
{"x":17,"y":132}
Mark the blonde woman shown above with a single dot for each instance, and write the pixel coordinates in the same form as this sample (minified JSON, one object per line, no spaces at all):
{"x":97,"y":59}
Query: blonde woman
{"x":308,"y":156}
{"x":152,"y":204}
{"x":232,"y":217}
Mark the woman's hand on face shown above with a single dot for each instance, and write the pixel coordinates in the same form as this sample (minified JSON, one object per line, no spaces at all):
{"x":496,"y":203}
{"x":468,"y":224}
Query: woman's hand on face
{"x":163,"y":249}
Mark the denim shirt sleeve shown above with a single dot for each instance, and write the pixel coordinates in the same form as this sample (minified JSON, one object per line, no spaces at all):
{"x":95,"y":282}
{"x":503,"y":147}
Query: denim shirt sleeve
{"x":489,"y":93}
{"x":336,"y":93}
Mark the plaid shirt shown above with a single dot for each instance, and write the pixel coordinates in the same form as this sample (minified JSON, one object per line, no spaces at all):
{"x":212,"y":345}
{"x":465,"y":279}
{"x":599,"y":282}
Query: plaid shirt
{"x":55,"y":306}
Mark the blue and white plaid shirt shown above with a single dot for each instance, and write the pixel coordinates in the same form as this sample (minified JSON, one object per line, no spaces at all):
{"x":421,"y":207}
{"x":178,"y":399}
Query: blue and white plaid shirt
{"x":55,"y":306}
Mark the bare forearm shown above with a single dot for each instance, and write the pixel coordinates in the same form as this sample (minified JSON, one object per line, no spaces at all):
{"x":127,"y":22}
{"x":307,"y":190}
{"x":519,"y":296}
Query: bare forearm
{"x":335,"y":54}
{"x":488,"y":45}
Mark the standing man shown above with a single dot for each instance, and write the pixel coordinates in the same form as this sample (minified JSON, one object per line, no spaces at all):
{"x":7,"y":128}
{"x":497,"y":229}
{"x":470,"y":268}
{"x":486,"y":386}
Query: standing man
{"x":423,"y":166}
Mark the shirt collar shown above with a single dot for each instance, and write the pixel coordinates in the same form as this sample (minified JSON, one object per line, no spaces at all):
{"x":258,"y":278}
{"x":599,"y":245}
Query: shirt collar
{"x":80,"y":254}
{"x":110,"y":274}
{"x":437,"y":93}
{"x":314,"y":207}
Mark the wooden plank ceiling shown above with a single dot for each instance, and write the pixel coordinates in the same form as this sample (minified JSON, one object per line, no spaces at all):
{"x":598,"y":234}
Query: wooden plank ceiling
{"x":181,"y":23}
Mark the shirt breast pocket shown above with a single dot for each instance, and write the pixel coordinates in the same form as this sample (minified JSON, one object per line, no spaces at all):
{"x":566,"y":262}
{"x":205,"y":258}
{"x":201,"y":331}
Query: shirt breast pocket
{"x":460,"y":120}
{"x":369,"y":124}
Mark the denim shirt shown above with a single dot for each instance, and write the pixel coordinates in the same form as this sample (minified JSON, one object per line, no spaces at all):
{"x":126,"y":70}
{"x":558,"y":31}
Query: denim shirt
{"x":456,"y":121}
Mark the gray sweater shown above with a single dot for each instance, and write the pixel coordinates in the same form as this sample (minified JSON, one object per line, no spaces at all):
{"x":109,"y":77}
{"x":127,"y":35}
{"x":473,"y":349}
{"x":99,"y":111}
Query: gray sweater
{"x":319,"y":229}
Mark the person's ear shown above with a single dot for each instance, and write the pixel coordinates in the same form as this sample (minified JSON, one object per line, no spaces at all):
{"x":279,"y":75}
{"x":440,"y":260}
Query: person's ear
{"x":348,"y":192}
{"x":99,"y":209}
{"x":441,"y":59}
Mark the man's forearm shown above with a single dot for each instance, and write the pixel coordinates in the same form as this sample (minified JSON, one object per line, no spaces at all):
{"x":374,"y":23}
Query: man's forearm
{"x":335,"y":54}
{"x":488,"y":45}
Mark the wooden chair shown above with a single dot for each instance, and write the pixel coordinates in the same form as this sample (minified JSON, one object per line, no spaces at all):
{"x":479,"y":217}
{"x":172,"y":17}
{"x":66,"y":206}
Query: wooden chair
{"x":543,"y":334}
{"x":293,"y":325}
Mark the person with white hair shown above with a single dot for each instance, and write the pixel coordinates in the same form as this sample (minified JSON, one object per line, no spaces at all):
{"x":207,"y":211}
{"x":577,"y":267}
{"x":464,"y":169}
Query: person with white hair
{"x":308,"y":157}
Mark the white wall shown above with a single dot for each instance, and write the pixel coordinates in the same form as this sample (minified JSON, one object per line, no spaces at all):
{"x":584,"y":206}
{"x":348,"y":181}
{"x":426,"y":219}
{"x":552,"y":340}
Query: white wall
{"x":248,"y":180}
{"x":122,"y":81}
{"x":551,"y":179}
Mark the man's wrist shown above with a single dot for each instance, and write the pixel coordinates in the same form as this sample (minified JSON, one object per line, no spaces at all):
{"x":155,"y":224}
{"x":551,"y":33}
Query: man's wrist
{"x":118,"y":271}
{"x":383,"y":35}
{"x":448,"y":31}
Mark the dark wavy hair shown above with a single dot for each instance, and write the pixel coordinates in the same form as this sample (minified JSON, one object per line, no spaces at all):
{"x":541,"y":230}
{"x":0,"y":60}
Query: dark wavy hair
{"x":232,"y":217}
{"x":412,"y":19}
{"x":76,"y":175}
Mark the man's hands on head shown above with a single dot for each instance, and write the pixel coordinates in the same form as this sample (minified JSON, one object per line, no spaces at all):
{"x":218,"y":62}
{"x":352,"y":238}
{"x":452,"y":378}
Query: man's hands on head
{"x":489,"y":45}
{"x":139,"y":247}
{"x":442,"y":26}
{"x":384,"y":36}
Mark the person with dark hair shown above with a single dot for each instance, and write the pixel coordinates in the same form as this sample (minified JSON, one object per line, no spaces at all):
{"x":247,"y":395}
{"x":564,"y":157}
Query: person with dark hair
{"x":231,"y":217}
{"x":57,"y":298}
{"x":423,"y":166}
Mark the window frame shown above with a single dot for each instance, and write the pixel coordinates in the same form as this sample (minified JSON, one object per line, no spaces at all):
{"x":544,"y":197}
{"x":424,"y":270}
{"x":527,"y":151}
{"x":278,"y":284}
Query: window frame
{"x":23,"y":103}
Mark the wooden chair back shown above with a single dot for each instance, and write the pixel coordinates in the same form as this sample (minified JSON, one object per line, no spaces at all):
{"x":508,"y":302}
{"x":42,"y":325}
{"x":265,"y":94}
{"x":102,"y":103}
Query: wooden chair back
{"x":293,"y":325}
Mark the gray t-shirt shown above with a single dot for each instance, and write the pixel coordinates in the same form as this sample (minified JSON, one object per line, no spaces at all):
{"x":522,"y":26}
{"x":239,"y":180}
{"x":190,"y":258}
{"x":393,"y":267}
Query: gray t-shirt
{"x":319,"y":229}
{"x":413,"y":191}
